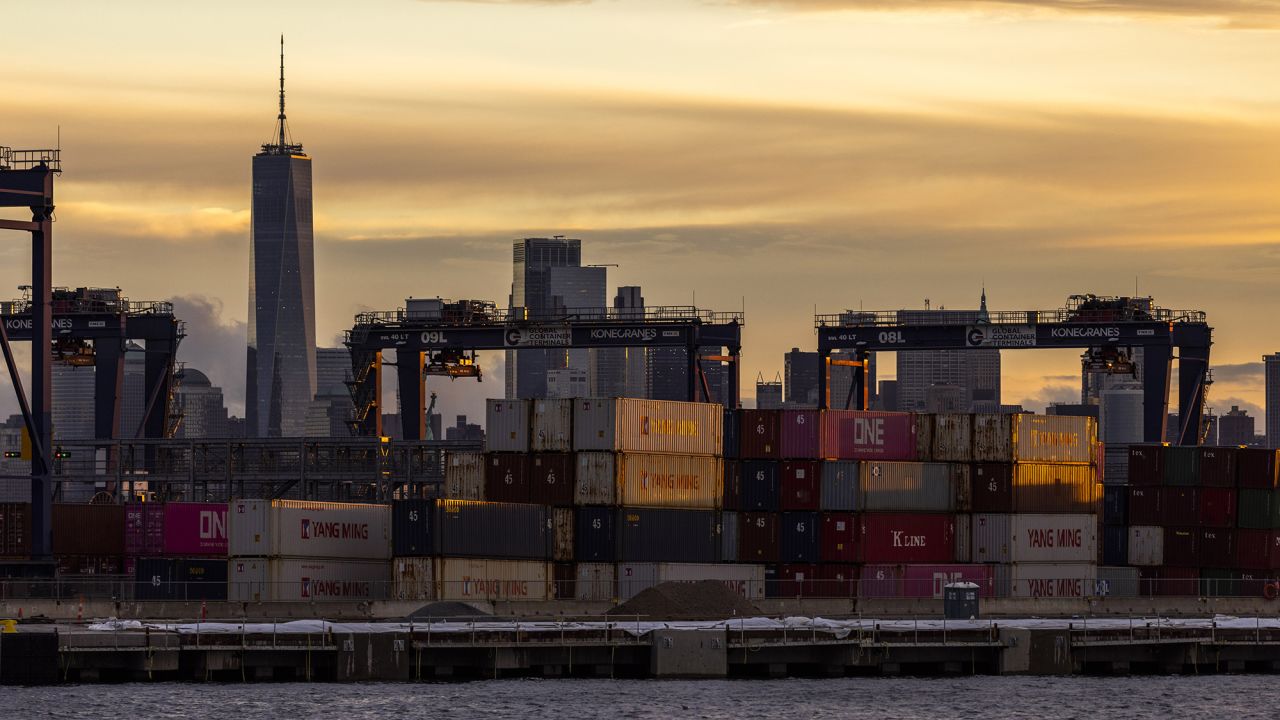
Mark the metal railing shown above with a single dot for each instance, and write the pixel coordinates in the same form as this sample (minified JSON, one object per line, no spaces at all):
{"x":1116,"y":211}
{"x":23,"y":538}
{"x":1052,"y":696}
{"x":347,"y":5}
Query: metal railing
{"x":895,"y":318}
{"x":503,"y":316}
{"x":11,"y":159}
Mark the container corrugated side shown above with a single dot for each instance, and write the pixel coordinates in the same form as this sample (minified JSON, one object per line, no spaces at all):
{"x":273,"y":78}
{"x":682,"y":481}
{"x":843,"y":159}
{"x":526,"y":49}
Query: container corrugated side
{"x":839,"y":538}
{"x":562,"y":520}
{"x":551,"y":428}
{"x":413,"y":578}
{"x":551,"y":478}
{"x":648,"y":426}
{"x":1182,"y":465}
{"x":728,"y":537}
{"x":667,"y":535}
{"x":307,"y":529}
{"x":993,"y":437}
{"x":758,"y":437}
{"x":798,"y":534}
{"x":952,"y":437}
{"x":746,"y":580}
{"x":869,"y":435}
{"x":839,"y":486}
{"x":992,"y":537}
{"x":674,"y":481}
{"x":488,"y":579}
{"x":88,"y":529}
{"x":1055,"y":438}
{"x":907,"y":487}
{"x":1146,"y":465}
{"x":464,"y":476}
{"x":506,"y":426}
{"x":15,"y":530}
{"x":1057,"y":538}
{"x":307,"y":580}
{"x":1146,"y":545}
{"x":181,"y":579}
{"x":595,"y":537}
{"x":413,"y":527}
{"x":1052,"y":580}
{"x":493,"y":530}
{"x":800,"y":487}
{"x":964,"y":538}
{"x":1258,"y":468}
{"x":1117,"y":582}
{"x":195,"y":529}
{"x":595,"y":582}
{"x":1054,"y":488}
{"x":991,"y":487}
{"x":800,"y":433}
{"x":760,"y":485}
{"x":923,"y":581}
{"x":894,"y":538}
{"x":595,"y":482}
{"x":1218,"y":466}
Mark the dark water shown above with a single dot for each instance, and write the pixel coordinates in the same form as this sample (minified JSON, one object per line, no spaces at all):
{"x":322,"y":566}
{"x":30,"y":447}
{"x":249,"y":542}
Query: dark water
{"x":990,"y":698}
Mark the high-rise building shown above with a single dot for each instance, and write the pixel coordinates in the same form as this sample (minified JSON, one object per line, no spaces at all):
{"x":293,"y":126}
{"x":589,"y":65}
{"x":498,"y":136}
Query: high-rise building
{"x":887,"y":396}
{"x":768,"y":394}
{"x":1120,"y":420}
{"x":975,"y":372}
{"x":1272,"y":364}
{"x":801,"y":378}
{"x":73,"y":403}
{"x":281,"y":370}
{"x":1236,"y":427}
{"x":204,"y":413}
{"x":623,"y":372}
{"x":329,"y":412}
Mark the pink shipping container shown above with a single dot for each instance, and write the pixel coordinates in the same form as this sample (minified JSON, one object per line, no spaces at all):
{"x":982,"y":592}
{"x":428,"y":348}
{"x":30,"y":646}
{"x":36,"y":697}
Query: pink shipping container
{"x":906,"y":538}
{"x":923,"y":581}
{"x":144,"y":529}
{"x":193,"y":529}
{"x":800,"y":434}
{"x":865,"y":435}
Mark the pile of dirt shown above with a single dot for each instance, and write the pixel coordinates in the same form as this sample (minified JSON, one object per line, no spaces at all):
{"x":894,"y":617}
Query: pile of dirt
{"x":702,"y":600}
{"x":447,"y":610}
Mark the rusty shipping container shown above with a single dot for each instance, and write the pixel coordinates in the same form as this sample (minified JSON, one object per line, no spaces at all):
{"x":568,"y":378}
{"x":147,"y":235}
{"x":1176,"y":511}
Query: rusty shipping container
{"x":800,"y":487}
{"x":1043,"y":538}
{"x":306,"y":529}
{"x":838,"y":542}
{"x":506,"y":427}
{"x":648,"y":426}
{"x":747,"y":581}
{"x":413,"y":578}
{"x":1146,"y":545}
{"x":1055,"y":488}
{"x":800,"y":434}
{"x":1218,"y":467}
{"x":551,"y":426}
{"x":15,"y":530}
{"x":88,"y":529}
{"x":506,"y":477}
{"x":1146,"y":465}
{"x":909,"y":487}
{"x":964,"y":538}
{"x":952,"y":437}
{"x":464,"y":476}
{"x":595,"y":482}
{"x":595,"y":582}
{"x":307,"y":580}
{"x":870,"y":435}
{"x":1024,"y":437}
{"x":758,"y":434}
{"x":1257,"y":468}
{"x":670,"y":481}
{"x":562,"y":521}
{"x":900,"y":538}
{"x":758,"y":537}
{"x":551,"y":479}
{"x":493,"y":580}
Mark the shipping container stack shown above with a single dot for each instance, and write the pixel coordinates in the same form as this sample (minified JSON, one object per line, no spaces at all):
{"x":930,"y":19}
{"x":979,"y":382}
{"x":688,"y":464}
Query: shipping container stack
{"x":88,"y":539}
{"x":176,"y":551}
{"x":298,"y":550}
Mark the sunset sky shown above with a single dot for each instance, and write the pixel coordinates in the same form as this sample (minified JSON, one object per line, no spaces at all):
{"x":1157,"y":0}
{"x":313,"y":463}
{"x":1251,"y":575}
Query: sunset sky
{"x":782,"y":155}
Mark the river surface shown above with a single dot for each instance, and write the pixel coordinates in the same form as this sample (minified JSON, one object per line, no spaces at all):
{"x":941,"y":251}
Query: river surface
{"x":989,"y":698}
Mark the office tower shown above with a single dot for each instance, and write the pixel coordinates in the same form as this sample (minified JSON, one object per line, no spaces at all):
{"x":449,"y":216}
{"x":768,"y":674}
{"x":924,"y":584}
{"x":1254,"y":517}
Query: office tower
{"x":73,"y":403}
{"x":801,"y":378}
{"x":464,"y":431}
{"x":1272,"y":364}
{"x":623,"y":372}
{"x":975,"y":372}
{"x":768,"y":394}
{"x":1236,"y":427}
{"x":204,"y":412}
{"x":329,"y":411}
{"x":1120,"y":420}
{"x":281,"y":369}
{"x":888,"y":396}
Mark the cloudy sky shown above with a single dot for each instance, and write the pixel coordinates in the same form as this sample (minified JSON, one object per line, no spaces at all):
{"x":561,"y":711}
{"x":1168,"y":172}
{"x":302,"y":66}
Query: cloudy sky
{"x":778,"y":154}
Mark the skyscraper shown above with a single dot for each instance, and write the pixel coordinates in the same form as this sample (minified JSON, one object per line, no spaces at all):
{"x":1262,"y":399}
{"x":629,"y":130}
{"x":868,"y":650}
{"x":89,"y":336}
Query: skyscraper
{"x":204,"y":414}
{"x":282,"y":295}
{"x":1272,"y":364}
{"x":976,"y":372}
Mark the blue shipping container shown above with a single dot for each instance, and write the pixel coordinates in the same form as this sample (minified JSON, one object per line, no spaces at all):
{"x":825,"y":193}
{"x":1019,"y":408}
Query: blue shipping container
{"x":665,"y":535}
{"x":730,"y":434}
{"x":1115,"y":505}
{"x":1115,"y":545}
{"x":595,"y":539}
{"x":411,"y":527}
{"x":798,"y":537}
{"x":840,"y":486}
{"x":728,"y":537}
{"x":759,"y":485}
{"x":181,"y":579}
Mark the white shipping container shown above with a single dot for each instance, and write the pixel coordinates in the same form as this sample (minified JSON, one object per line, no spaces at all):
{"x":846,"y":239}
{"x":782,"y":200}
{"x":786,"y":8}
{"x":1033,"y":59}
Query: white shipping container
{"x":1051,"y":580}
{"x":596,"y":481}
{"x":413,"y":578}
{"x":464,"y":476}
{"x":634,"y":578}
{"x":303,"y":528}
{"x":482,"y":579}
{"x":506,"y":426}
{"x":648,"y":426}
{"x":562,"y":534}
{"x":1026,"y":538}
{"x":552,"y":428}
{"x":1146,"y":545}
{"x":595,"y":581}
{"x":669,"y":481}
{"x":307,"y":580}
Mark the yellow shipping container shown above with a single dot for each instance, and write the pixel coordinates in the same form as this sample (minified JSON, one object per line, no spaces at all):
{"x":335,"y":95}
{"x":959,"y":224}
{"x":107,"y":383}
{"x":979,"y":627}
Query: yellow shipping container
{"x":648,"y":426}
{"x":480,"y":579}
{"x":1054,"y":438}
{"x":670,"y":481}
{"x":1055,"y":488}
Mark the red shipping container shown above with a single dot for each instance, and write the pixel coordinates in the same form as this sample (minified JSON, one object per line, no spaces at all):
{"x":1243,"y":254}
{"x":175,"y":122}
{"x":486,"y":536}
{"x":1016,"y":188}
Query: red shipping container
{"x":1217,"y":507}
{"x":837,"y":580}
{"x":928,"y":580}
{"x":758,"y":437}
{"x":1182,"y":546}
{"x":551,"y":479}
{"x":758,"y":538}
{"x":866,"y":435}
{"x":906,"y":538}
{"x":991,"y":487}
{"x":800,"y":434}
{"x":797,"y":581}
{"x":1144,"y":506}
{"x":1179,"y":506}
{"x":838,"y":542}
{"x":15,"y":530}
{"x":1218,"y":466}
{"x":143,"y":529}
{"x":90,"y":530}
{"x":1257,"y":468}
{"x":800,"y":485}
{"x":192,"y":529}
{"x":1257,"y":549}
{"x":1217,"y":547}
{"x":1146,"y":466}
{"x":732,"y":498}
{"x":1169,"y":581}
{"x":506,"y":477}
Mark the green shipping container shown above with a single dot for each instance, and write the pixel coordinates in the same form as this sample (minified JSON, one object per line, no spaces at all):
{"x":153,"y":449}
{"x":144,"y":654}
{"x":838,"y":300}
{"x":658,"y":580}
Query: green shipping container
{"x":1259,"y":509}
{"x":1182,"y":465}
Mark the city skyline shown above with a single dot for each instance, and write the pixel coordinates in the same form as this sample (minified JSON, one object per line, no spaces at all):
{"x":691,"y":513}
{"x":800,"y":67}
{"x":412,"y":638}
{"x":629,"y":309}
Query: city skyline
{"x":1071,"y":179}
